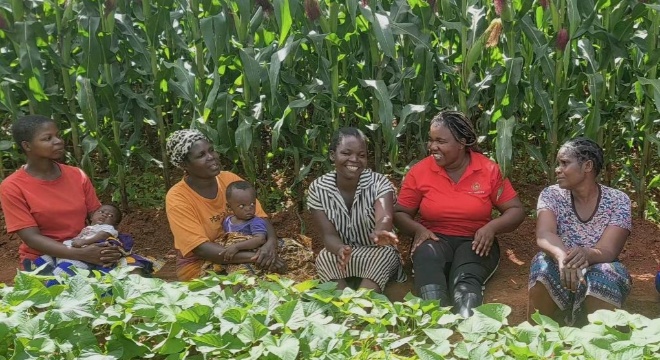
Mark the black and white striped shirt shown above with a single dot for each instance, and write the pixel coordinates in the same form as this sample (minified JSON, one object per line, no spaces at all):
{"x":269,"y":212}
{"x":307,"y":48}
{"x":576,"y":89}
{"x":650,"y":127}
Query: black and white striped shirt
{"x":352,"y":226}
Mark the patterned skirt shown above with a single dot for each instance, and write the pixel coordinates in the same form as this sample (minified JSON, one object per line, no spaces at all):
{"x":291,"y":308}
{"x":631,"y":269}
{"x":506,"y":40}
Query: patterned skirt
{"x":296,"y":253}
{"x":609,"y":282}
{"x":376,"y":263}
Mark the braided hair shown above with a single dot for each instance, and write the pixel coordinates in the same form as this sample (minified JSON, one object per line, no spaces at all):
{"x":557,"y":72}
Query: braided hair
{"x":585,"y":149}
{"x":459,"y":126}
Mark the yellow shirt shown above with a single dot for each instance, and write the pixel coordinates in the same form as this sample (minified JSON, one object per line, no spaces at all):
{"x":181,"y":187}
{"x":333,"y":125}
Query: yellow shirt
{"x":195,"y":220}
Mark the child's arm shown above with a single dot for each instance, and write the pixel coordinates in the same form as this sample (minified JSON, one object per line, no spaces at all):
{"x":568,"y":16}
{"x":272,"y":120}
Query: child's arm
{"x":88,"y":240}
{"x":252,"y":243}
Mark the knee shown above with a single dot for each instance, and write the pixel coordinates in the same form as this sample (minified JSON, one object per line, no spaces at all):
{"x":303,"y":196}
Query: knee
{"x":391,"y":256}
{"x":325,"y":256}
{"x":537,"y":292}
{"x":428,"y":252}
{"x":592,"y":304}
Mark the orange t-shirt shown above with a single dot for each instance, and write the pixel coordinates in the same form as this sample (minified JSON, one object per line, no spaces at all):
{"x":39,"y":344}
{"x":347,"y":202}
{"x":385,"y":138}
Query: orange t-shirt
{"x":59,"y":208}
{"x":455,"y":209}
{"x":195,"y":220}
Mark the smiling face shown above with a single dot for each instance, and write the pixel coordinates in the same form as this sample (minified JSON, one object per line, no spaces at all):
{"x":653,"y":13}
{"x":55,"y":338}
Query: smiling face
{"x":45,"y":143}
{"x":350,"y":157}
{"x":202,"y":160}
{"x":442,"y":145}
{"x":243,"y":203}
{"x":569,"y":171}
{"x":106,"y":214}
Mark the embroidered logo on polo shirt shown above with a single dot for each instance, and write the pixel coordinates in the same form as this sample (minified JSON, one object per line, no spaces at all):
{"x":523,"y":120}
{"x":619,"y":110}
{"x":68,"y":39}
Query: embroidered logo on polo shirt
{"x":476,"y":188}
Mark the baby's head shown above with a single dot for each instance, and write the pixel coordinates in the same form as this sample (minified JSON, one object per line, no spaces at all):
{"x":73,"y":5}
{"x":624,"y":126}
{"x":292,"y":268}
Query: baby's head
{"x":242,"y":199}
{"x":107,"y":214}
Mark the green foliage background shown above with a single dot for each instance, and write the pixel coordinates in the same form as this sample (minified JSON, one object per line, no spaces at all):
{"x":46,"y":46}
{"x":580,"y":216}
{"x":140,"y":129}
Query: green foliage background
{"x":269,"y":81}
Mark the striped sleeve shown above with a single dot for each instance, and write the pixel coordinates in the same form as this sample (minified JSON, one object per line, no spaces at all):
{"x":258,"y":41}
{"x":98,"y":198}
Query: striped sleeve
{"x":382,"y":185}
{"x":314,"y":195}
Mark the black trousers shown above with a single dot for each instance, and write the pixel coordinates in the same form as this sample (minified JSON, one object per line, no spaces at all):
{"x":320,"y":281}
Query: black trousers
{"x":452,"y":264}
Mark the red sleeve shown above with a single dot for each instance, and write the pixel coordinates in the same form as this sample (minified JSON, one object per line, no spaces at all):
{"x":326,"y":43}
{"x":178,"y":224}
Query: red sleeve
{"x":502,"y":189}
{"x":15,"y":208}
{"x":409,"y":197}
{"x":91,"y":200}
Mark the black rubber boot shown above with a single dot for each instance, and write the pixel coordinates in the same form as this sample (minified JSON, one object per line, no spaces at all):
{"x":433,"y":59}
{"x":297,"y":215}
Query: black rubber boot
{"x":434,"y":292}
{"x":465,"y":302}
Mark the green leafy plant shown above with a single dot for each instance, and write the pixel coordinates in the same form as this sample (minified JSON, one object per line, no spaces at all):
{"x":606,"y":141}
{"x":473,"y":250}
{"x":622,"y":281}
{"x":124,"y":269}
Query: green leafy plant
{"x":122,"y":316}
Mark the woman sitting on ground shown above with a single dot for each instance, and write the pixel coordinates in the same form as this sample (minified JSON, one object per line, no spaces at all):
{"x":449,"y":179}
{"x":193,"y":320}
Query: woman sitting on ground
{"x":581,"y":229}
{"x":352,"y":206}
{"x":46,"y":202}
{"x":197,"y":205}
{"x":453,"y":191}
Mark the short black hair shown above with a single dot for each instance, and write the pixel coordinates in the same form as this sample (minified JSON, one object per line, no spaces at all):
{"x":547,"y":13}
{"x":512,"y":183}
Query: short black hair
{"x":25,"y":128}
{"x":345,"y":132}
{"x":459,"y":126}
{"x":119,"y":213}
{"x":238,"y":185}
{"x":585,"y":149}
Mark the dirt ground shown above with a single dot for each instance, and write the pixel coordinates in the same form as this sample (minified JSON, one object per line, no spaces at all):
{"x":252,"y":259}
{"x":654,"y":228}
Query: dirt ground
{"x":508,"y":285}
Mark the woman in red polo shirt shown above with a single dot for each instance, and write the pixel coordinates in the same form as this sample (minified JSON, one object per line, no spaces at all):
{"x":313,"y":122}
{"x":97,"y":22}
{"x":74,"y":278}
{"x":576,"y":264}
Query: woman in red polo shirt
{"x":453,"y":192}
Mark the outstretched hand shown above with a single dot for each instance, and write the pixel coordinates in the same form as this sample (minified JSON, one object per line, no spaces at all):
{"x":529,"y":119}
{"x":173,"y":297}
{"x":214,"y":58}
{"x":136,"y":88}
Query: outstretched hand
{"x":384,"y":238}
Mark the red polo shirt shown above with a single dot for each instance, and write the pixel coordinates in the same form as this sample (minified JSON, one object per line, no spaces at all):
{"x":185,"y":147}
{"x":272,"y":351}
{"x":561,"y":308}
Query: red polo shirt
{"x":57,"y":207}
{"x":457,"y":209}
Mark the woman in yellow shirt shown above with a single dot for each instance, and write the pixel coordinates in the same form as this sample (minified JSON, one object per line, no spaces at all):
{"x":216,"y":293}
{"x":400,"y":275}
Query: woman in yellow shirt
{"x":196,"y":207}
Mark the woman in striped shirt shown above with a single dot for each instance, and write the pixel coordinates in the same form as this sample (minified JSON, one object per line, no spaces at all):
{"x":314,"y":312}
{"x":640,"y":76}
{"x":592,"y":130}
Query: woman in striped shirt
{"x":353,"y":208}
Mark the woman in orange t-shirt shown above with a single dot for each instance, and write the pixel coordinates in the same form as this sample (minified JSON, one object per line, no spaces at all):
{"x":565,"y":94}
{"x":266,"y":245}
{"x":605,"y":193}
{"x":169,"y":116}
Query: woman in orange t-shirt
{"x":453,"y":191}
{"x":196,"y":207}
{"x":46,"y":202}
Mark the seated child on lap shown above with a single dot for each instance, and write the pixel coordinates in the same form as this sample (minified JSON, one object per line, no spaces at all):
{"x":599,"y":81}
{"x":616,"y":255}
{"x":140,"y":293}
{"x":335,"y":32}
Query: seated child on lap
{"x":242,"y":200}
{"x":243,"y":230}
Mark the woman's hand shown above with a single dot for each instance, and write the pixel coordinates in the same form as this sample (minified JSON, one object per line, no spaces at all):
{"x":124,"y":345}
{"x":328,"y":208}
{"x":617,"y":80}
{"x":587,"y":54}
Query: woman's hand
{"x":576,"y":258}
{"x":383,"y":238}
{"x":570,"y":277}
{"x":279,"y":265}
{"x":343,"y":257}
{"x":266,"y":255}
{"x":101,"y":254}
{"x":422,"y":235}
{"x":229,"y":252}
{"x":483,"y":240}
